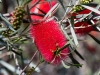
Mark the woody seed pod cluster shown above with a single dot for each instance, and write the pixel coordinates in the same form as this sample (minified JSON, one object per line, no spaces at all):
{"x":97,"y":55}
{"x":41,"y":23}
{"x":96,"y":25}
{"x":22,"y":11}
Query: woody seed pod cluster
{"x":17,"y":17}
{"x":16,"y":20}
{"x":5,"y":33}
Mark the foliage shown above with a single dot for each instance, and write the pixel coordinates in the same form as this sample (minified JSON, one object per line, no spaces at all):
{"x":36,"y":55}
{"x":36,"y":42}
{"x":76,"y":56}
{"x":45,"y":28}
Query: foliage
{"x":24,"y":24}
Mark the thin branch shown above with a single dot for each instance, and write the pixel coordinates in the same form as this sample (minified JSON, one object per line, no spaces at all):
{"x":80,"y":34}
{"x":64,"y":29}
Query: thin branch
{"x":28,"y":63}
{"x":17,"y":64}
{"x":5,"y":54}
{"x":32,"y":13}
{"x":35,"y":4}
{"x":2,"y":48}
{"x":7,"y":14}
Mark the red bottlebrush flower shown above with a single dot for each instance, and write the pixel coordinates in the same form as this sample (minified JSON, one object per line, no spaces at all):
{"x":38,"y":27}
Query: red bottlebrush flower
{"x":83,"y":27}
{"x":42,"y":5}
{"x":85,"y":11}
{"x":49,"y":38}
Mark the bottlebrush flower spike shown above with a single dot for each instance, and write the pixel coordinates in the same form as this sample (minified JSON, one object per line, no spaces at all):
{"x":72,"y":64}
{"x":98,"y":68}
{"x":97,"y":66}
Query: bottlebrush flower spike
{"x":42,"y":5}
{"x":49,"y":38}
{"x":85,"y":11}
{"x":83,"y":28}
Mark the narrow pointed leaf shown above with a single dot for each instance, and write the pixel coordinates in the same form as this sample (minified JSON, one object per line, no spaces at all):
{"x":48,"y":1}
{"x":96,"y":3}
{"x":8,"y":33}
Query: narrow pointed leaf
{"x":91,"y":4}
{"x":65,"y":65}
{"x":6,"y":22}
{"x":77,"y":53}
{"x":3,"y":29}
{"x":22,"y":60}
{"x":72,"y":21}
{"x":17,"y":2}
{"x":74,"y":35}
{"x":91,"y":8}
{"x":51,"y":10}
{"x":23,"y":29}
{"x":78,"y":65}
{"x":94,"y":38}
{"x":74,"y":60}
{"x":18,"y":53}
{"x":2,"y":42}
{"x":61,"y":2}
{"x":41,"y":11}
{"x":66,"y":45}
{"x":36,"y":14}
{"x":28,"y":13}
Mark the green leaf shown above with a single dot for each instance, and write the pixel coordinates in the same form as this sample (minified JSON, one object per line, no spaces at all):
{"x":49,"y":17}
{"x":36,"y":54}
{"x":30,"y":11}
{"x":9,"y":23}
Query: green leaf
{"x":65,"y":46}
{"x":41,"y":11}
{"x":73,"y":34}
{"x":77,"y":53}
{"x":91,"y":8}
{"x":17,"y":39}
{"x":72,"y":21}
{"x":94,"y":38}
{"x":28,"y":13}
{"x":23,"y":29}
{"x":67,"y":67}
{"x":74,"y":60}
{"x":22,"y":60}
{"x":17,"y":2}
{"x":13,"y":33}
{"x":77,"y":65}
{"x":18,"y":53}
{"x":2,"y":42}
{"x":3,"y":29}
{"x":7,"y":22}
{"x":61,"y":2}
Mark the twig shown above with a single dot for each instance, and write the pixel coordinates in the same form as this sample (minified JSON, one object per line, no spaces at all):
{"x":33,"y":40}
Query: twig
{"x":17,"y":64}
{"x":32,"y":13}
{"x":4,"y":54}
{"x":52,"y":11}
{"x":2,"y":48}
{"x":7,"y":14}
{"x":35,"y":4}
{"x":28,"y":63}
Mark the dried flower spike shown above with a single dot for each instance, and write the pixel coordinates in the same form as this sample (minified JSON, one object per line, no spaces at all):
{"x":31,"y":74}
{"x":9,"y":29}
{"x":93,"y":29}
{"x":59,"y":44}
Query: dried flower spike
{"x":49,"y":38}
